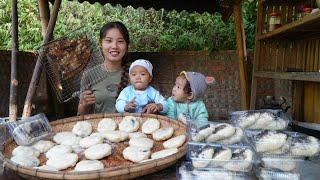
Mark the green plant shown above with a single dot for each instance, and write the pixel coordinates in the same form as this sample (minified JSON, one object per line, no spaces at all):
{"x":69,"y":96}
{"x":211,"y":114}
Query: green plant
{"x":150,"y":30}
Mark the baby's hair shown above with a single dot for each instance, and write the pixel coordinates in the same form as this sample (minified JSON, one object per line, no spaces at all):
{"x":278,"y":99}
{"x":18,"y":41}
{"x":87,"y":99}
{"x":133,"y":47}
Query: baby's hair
{"x":125,"y":65}
{"x":187,"y":87}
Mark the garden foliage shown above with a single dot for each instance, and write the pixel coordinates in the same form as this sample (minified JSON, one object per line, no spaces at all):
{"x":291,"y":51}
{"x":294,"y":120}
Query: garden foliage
{"x":150,"y":30}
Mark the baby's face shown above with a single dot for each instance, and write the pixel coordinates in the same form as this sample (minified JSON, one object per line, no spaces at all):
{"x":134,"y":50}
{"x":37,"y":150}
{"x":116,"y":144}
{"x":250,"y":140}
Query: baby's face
{"x":178,"y":94}
{"x":140,"y":78}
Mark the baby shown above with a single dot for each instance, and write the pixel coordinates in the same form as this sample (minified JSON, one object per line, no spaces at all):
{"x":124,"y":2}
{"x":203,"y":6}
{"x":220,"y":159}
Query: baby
{"x":140,"y":97}
{"x":187,"y":94}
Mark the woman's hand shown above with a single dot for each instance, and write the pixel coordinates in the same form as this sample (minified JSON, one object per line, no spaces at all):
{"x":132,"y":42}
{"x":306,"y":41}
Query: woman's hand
{"x":88,"y":98}
{"x":86,"y":102}
{"x":152,"y":108}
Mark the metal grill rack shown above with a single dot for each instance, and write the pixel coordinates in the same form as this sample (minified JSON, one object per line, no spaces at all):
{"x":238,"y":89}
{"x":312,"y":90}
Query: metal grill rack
{"x":66,"y":59}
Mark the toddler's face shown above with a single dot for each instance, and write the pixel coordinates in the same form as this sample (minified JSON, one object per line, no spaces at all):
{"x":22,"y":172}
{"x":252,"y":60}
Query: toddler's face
{"x":140,"y":77}
{"x":178,"y":93}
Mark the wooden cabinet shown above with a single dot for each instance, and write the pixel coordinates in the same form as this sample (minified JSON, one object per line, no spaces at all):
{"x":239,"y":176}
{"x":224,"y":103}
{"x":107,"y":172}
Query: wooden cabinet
{"x":290,"y":52}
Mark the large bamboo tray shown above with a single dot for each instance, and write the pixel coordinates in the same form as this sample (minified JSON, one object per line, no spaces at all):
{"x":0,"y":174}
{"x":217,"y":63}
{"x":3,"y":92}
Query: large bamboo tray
{"x":116,"y":167}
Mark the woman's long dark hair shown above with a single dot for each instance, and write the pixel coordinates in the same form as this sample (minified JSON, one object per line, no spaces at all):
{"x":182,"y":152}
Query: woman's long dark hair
{"x":125,"y":64}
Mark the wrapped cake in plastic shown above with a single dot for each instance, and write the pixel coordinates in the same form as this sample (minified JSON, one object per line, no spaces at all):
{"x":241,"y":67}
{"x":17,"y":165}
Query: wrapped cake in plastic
{"x":232,"y":158}
{"x":265,"y":174}
{"x":260,"y":119}
{"x":186,"y":171}
{"x":281,"y":163}
{"x":31,"y":129}
{"x":284,"y":143}
{"x":217,"y":132}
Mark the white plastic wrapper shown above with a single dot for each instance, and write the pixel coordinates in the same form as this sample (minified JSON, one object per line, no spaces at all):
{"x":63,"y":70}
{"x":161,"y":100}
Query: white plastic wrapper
{"x":217,"y":133}
{"x":260,"y":119}
{"x":285,"y":143}
{"x":187,"y":172}
{"x":30,"y":130}
{"x":264,"y":174}
{"x":232,"y":157}
{"x":281,"y":163}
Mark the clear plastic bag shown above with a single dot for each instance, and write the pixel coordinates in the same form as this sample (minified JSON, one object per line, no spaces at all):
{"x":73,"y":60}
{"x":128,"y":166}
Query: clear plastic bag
{"x":281,"y":163}
{"x":285,"y":143}
{"x":217,"y":133}
{"x":264,"y":174}
{"x":30,"y":130}
{"x":261,"y":119}
{"x":238,"y":158}
{"x":186,"y":172}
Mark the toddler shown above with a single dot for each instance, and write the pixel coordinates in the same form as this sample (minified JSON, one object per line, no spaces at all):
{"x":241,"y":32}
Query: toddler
{"x":187,"y":94}
{"x":139,"y":96}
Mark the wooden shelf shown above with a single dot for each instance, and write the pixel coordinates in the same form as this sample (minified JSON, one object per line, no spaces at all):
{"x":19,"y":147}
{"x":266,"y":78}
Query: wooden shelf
{"x":298,"y":76}
{"x":307,"y":27}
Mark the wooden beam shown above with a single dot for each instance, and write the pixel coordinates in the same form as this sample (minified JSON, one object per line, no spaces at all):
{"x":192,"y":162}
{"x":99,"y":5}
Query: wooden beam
{"x":37,"y":70}
{"x":44,"y":12}
{"x":298,"y":76}
{"x":242,"y":55}
{"x":13,"y":107}
{"x":257,"y":50}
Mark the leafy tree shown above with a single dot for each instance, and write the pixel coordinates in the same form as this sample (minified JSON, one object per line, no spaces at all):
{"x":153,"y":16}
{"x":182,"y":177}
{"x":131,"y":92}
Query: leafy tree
{"x":150,"y":30}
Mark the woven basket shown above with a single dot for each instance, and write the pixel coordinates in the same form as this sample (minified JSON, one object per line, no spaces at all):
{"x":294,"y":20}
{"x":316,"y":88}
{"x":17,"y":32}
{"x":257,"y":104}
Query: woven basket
{"x":116,"y":167}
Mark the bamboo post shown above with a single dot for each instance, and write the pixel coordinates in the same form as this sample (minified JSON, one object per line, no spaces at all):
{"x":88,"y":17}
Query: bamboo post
{"x":257,"y":49}
{"x":242,"y":54}
{"x":37,"y":70}
{"x":44,"y":12}
{"x":15,"y":47}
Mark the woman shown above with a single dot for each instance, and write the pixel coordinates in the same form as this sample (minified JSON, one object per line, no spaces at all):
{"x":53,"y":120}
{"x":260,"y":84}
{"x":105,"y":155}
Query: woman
{"x":101,"y":96}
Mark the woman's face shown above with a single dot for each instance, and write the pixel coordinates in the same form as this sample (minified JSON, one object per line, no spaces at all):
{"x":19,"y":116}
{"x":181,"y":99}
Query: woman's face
{"x":140,"y":78}
{"x":114,"y":47}
{"x":178,"y":93}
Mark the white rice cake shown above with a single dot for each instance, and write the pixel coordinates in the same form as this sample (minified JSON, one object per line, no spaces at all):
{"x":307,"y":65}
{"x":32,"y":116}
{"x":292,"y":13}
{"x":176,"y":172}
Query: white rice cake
{"x":164,"y":153}
{"x":175,"y":142}
{"x":25,"y":151}
{"x":63,"y":161}
{"x":235,"y":138}
{"x":90,"y":141}
{"x":136,"y":154}
{"x":89,"y":165}
{"x":201,"y":160}
{"x":98,"y":151}
{"x":221,"y":131}
{"x":82,"y":129}
{"x":136,"y":135}
{"x":43,"y":146}
{"x":25,"y":160}
{"x":129,"y":124}
{"x":66,"y":138}
{"x":141,"y":142}
{"x":163,"y":133}
{"x":150,"y":125}
{"x":115,"y":136}
{"x":309,"y":146}
{"x":270,"y":140}
{"x":107,"y":124}
{"x":57,"y":150}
